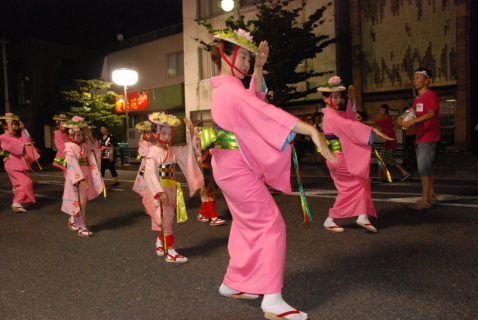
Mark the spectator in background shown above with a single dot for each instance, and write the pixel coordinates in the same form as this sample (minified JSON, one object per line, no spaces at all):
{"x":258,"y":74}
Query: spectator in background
{"x":427,"y":122}
{"x":388,"y":150}
{"x":108,"y":155}
{"x":409,"y":143}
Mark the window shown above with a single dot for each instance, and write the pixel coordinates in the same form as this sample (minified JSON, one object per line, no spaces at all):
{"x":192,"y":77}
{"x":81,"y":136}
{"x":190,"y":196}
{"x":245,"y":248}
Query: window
{"x":175,"y":64}
{"x":207,"y":68}
{"x":209,"y":8}
{"x":245,"y":3}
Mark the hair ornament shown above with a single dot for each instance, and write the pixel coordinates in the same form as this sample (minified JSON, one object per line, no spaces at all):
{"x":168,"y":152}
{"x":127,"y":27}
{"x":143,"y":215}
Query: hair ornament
{"x":334,"y":84}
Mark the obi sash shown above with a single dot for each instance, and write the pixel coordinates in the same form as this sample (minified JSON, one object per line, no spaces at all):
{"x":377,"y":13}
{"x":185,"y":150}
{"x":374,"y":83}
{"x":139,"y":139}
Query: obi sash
{"x":334,"y":143}
{"x":167,"y":171}
{"x":221,"y":139}
{"x":5,"y":154}
{"x":83,"y":162}
{"x":60,"y":160}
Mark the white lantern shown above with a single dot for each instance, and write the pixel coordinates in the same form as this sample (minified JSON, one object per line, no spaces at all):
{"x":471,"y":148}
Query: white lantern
{"x":125,"y":77}
{"x":227,"y":5}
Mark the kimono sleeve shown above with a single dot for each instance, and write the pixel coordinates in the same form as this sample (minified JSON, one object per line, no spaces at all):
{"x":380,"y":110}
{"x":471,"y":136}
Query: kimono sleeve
{"x":252,"y":88}
{"x":59,"y":141}
{"x":186,"y":158}
{"x":143,"y":148}
{"x":13,"y":145}
{"x":351,"y":111}
{"x":74,"y":173}
{"x":272,"y":124}
{"x":356,"y":132}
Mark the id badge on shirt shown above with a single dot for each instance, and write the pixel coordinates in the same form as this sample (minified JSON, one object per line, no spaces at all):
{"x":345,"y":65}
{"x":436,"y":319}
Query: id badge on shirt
{"x":419,"y":107}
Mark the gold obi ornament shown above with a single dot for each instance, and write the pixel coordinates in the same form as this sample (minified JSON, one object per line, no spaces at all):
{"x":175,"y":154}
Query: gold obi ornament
{"x":221,"y":139}
{"x":167,"y":177}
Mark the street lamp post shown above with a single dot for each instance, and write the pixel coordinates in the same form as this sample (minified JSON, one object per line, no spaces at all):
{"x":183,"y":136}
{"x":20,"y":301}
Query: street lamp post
{"x":125,"y":77}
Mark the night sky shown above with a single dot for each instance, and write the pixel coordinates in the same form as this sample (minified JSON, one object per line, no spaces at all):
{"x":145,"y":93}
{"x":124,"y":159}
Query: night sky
{"x":86,"y":23}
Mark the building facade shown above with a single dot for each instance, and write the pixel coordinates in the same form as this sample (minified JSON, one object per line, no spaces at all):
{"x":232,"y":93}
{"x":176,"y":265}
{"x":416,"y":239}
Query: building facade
{"x":378,"y":46}
{"x":200,"y":67}
{"x":160,"y":86}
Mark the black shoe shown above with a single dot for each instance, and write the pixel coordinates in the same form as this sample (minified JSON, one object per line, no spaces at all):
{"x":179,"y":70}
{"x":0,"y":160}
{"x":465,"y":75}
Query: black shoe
{"x":114,"y":184}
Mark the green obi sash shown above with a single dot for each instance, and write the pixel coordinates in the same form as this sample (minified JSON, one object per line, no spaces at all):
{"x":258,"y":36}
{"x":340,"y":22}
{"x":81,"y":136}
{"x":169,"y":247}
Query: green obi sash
{"x":60,"y":161}
{"x":221,"y":139}
{"x":5,"y":154}
{"x":83,"y":162}
{"x":334,"y":143}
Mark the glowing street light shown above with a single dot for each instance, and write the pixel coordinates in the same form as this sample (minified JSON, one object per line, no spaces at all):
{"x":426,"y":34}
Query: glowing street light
{"x":227,"y":5}
{"x":125,"y":77}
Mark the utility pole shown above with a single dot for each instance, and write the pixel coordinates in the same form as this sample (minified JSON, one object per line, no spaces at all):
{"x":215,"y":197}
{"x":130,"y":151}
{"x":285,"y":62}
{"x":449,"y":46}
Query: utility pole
{"x":5,"y":77}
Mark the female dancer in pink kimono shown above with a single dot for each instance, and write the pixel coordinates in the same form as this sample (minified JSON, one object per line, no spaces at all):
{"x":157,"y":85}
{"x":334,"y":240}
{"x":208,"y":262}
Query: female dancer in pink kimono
{"x":60,"y":138}
{"x":253,"y":150}
{"x":83,"y":180}
{"x":351,"y":142}
{"x":164,"y":196}
{"x":18,"y":154}
{"x":144,"y":130}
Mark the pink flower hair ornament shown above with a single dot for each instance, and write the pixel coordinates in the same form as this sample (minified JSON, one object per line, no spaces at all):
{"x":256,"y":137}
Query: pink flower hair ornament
{"x":76,"y":122}
{"x":334,"y":84}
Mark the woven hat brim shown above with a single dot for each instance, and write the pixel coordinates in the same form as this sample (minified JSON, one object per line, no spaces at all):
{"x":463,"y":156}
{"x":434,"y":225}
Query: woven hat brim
{"x":326,"y":89}
{"x":164,"y":125}
{"x":253,"y":50}
{"x":71,"y":126}
{"x":8,"y":118}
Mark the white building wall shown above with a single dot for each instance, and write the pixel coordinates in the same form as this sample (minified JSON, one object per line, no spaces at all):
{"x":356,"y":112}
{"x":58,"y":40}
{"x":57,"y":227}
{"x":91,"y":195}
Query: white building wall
{"x":149,"y":60}
{"x":198,"y":93}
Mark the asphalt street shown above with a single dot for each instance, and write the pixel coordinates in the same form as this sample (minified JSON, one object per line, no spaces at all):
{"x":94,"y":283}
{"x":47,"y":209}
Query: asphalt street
{"x":421,"y":264}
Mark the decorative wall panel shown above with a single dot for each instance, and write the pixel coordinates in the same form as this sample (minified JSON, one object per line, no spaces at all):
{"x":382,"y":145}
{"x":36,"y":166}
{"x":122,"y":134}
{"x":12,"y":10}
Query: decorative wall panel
{"x":398,"y":36}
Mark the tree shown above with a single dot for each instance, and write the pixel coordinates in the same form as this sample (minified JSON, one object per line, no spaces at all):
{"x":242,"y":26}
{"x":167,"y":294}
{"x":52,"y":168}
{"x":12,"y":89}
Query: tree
{"x":95,"y":107}
{"x":290,"y":43}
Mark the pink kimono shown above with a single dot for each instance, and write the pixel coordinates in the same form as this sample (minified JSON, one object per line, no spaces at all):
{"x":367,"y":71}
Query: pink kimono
{"x":60,"y":138}
{"x":82,"y":163}
{"x":351,"y":171}
{"x":157,"y":157}
{"x":139,"y":185}
{"x":17,"y":165}
{"x":257,"y":243}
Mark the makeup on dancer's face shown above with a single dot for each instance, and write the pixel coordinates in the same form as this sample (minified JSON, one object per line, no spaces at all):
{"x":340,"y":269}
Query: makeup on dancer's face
{"x":79,"y":136}
{"x":166,"y":134}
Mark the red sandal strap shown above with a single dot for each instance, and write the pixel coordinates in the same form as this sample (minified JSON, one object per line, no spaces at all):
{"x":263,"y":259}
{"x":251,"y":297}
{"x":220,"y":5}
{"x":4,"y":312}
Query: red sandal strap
{"x":174,"y":258}
{"x":287,"y":313}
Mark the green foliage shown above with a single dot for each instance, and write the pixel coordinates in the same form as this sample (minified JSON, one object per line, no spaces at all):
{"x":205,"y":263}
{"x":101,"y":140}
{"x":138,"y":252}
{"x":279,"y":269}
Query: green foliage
{"x":88,"y":102}
{"x":290,"y":45}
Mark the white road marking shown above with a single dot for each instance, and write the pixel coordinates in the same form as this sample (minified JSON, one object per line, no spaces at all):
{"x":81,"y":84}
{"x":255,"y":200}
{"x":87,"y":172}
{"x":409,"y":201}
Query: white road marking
{"x":442,"y":197}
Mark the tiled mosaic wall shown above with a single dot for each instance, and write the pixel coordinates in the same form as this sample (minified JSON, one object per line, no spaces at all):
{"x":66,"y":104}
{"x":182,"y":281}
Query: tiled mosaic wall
{"x":398,"y":36}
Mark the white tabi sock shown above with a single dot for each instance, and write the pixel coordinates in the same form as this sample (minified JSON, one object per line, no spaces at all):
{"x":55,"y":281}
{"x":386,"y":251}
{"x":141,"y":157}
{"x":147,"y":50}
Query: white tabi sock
{"x":227,"y":291}
{"x":274,"y":304}
{"x":363,"y":218}
{"x":329,"y":222}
